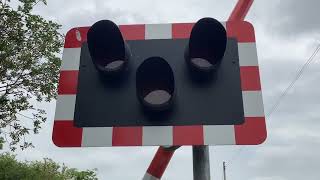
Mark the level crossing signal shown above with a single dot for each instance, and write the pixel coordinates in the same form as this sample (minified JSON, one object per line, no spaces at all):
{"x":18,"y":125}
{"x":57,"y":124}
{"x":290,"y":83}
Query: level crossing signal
{"x":158,"y":84}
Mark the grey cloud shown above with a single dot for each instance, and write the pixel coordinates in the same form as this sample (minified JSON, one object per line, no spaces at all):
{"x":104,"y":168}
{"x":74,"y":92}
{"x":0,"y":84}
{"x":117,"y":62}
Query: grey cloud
{"x":288,"y":17}
{"x":85,"y":13}
{"x":296,"y":160}
{"x":300,"y":16}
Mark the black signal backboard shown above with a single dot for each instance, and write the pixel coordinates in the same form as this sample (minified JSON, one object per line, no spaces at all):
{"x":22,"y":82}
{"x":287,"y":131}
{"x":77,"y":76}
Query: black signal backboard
{"x":105,"y":103}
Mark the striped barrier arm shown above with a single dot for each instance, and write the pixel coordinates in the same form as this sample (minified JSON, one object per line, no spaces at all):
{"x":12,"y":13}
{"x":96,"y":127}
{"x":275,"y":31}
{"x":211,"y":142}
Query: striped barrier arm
{"x":241,"y":10}
{"x":159,"y":163}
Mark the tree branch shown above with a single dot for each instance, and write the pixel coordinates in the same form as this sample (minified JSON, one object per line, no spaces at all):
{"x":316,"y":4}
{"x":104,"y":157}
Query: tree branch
{"x":15,"y":84}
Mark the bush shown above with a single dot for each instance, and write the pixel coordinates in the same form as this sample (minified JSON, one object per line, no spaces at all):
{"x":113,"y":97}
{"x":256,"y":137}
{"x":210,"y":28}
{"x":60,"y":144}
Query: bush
{"x":11,"y":169}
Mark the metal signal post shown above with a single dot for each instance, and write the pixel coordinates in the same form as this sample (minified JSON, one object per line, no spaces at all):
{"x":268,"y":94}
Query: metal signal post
{"x":201,"y":163}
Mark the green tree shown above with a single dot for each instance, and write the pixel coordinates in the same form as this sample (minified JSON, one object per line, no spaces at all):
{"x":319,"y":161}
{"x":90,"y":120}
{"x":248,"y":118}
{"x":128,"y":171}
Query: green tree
{"x":11,"y":169}
{"x":29,"y":68}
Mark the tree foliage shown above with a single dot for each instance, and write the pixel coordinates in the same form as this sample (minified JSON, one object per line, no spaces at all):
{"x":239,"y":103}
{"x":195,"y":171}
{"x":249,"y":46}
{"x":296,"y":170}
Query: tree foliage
{"x":11,"y":169}
{"x":29,"y":68}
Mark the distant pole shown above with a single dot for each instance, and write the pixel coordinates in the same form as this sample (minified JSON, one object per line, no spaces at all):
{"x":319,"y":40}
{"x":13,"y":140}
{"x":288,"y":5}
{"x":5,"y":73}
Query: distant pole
{"x":224,"y":171}
{"x":201,"y":163}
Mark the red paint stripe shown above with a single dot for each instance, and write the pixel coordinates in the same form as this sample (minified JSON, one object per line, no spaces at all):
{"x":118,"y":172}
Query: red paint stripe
{"x":181,"y":30}
{"x":127,"y":136}
{"x":188,"y":135}
{"x":242,"y":30}
{"x":71,"y":40}
{"x":250,"y":78}
{"x":66,"y":135}
{"x":160,"y":162}
{"x":130,"y":32}
{"x":252,"y":132}
{"x":133,"y":32}
{"x":68,"y":82}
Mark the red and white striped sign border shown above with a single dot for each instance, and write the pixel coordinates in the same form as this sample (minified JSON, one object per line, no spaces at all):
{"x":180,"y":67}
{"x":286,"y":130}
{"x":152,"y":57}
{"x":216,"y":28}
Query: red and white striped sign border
{"x":252,"y":132}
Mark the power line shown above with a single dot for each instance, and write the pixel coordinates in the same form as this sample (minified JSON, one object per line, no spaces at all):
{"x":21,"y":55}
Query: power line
{"x":299,"y":74}
{"x":285,"y":92}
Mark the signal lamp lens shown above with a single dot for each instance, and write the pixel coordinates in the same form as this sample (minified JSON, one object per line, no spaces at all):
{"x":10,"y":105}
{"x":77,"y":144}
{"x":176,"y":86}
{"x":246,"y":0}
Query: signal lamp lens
{"x":207,"y":45}
{"x":107,"y":48}
{"x":155,"y":84}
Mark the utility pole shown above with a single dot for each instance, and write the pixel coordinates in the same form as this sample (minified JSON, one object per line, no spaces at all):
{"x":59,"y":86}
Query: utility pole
{"x":224,"y":171}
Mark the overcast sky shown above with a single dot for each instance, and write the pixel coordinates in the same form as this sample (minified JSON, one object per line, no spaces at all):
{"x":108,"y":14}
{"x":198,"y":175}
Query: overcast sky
{"x":287,"y":33}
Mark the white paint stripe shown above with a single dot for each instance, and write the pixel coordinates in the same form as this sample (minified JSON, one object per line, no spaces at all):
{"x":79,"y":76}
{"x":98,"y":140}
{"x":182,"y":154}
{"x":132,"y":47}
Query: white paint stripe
{"x":97,"y":136}
{"x":148,"y":176}
{"x":71,"y":59}
{"x":219,"y":135}
{"x":157,"y":135}
{"x":158,"y":31}
{"x":253,"y":104}
{"x":65,"y":107}
{"x":248,"y":54}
